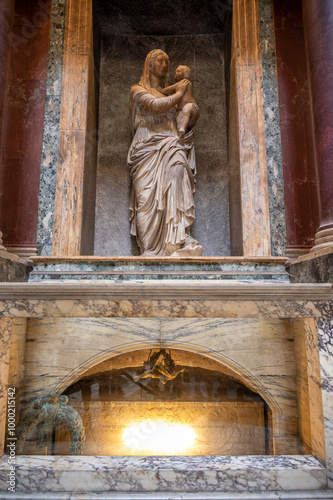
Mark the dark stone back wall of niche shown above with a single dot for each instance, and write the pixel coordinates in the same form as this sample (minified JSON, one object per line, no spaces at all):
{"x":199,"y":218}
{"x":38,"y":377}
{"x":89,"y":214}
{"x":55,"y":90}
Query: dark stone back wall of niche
{"x":121,"y":62}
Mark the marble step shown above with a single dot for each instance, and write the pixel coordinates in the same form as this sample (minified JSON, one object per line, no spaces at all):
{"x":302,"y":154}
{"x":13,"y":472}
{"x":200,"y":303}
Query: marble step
{"x":269,"y":495}
{"x":184,"y":477}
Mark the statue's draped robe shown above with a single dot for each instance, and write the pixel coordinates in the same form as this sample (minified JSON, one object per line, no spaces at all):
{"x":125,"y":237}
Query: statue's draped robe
{"x":162,"y":172}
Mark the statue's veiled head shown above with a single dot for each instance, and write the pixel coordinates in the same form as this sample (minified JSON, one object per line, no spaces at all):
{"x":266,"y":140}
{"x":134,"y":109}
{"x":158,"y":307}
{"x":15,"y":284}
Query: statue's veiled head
{"x":156,"y":63}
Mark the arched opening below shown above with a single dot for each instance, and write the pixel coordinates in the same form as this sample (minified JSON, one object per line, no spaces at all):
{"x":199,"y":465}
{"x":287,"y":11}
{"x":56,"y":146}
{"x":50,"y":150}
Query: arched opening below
{"x":164,"y":402}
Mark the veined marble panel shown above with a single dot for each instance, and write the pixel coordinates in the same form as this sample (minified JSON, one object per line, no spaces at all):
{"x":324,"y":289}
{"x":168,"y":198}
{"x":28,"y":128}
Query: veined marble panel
{"x":325,"y":339}
{"x":315,"y":389}
{"x":160,"y":474}
{"x":302,"y":385}
{"x":78,"y":344}
{"x":5,"y":334}
{"x":17,"y":359}
{"x":164,"y":309}
{"x":309,"y":387}
{"x":17,"y":351}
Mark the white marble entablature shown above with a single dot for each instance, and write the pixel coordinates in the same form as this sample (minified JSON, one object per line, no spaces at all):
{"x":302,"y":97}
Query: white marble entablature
{"x":166,"y":298}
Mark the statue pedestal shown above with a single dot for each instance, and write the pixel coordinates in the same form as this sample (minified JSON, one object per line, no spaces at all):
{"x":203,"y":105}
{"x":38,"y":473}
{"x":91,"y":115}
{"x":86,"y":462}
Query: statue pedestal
{"x":159,"y":268}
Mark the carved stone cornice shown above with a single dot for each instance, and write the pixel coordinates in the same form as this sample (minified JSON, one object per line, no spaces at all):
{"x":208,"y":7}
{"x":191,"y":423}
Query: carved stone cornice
{"x":166,"y":290}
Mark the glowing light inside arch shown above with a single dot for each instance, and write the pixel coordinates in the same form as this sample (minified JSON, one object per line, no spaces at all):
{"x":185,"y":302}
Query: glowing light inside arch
{"x":158,"y":437}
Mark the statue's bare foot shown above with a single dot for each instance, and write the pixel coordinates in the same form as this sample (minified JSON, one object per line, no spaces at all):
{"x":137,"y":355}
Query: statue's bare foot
{"x":191,"y":248}
{"x":171,"y":248}
{"x":148,"y":253}
{"x":188,"y":252}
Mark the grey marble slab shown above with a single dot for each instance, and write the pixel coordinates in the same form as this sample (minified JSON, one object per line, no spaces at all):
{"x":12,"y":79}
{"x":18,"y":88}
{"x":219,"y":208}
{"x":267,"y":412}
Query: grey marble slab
{"x":325,"y":341}
{"x":115,"y":270}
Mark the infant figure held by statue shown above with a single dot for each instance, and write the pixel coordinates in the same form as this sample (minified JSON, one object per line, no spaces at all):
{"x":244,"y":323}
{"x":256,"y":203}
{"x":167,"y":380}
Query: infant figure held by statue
{"x":187,"y":108}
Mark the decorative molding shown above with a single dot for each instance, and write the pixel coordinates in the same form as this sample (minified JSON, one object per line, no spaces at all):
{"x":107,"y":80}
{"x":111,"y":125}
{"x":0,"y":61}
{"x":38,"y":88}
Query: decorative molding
{"x":171,"y":290}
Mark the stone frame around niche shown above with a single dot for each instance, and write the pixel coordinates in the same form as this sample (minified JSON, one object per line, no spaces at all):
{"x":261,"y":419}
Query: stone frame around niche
{"x":73,"y":227}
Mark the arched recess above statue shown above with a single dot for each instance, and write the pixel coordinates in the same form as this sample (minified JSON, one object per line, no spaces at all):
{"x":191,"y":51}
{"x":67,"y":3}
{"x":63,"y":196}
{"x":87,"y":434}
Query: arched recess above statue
{"x":74,"y":219}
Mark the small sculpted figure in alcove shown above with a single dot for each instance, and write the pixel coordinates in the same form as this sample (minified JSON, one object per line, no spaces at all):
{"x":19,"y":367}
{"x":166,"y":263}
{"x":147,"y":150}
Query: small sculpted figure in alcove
{"x":187,"y":108}
{"x":162,"y":164}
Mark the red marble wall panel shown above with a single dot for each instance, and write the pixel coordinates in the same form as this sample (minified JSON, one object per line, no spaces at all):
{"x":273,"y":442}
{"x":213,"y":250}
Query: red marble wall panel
{"x":23,"y":137}
{"x":301,"y":199}
{"x":19,"y":175}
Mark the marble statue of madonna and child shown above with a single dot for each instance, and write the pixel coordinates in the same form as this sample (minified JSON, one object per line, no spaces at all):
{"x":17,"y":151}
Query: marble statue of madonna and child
{"x":162,"y":160}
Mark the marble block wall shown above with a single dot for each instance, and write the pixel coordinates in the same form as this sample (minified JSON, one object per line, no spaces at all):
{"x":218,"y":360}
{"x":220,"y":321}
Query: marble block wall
{"x":122,"y":60}
{"x":12,"y":367}
{"x":325,"y":341}
{"x":310,"y":407}
{"x":260,"y":353}
{"x":5,"y":334}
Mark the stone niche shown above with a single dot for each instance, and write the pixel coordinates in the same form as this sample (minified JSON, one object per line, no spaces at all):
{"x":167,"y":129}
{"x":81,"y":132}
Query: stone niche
{"x":124,"y":33}
{"x":238,"y":396}
{"x":105,"y":46}
{"x":123,"y":414}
